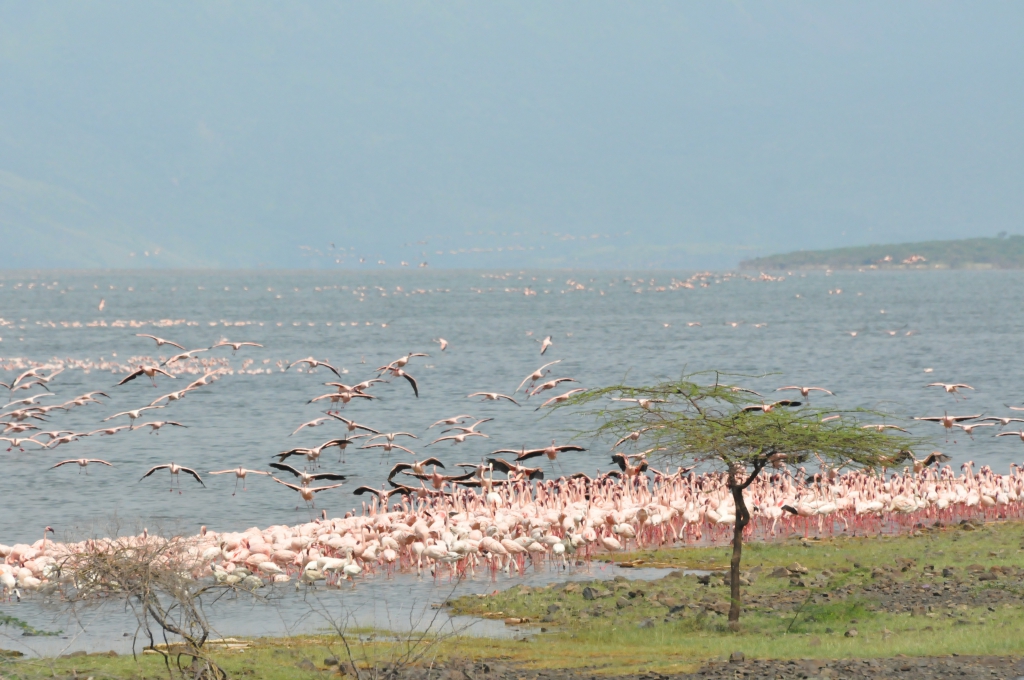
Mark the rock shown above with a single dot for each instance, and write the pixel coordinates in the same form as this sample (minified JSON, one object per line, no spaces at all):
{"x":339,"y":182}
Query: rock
{"x":331,"y":661}
{"x":547,"y":618}
{"x":877,"y":573}
{"x":797,"y":568}
{"x":622,"y":603}
{"x":989,"y":576}
{"x":975,"y":568}
{"x":780,"y":572}
{"x":571,"y":587}
{"x":947,"y":571}
{"x":646,"y":623}
{"x":704,"y":579}
{"x":736,"y":657}
{"x":73,"y":655}
{"x":675,"y":574}
{"x":589,"y":593}
{"x":552,"y":608}
{"x":307,"y":665}
{"x":852,"y":633}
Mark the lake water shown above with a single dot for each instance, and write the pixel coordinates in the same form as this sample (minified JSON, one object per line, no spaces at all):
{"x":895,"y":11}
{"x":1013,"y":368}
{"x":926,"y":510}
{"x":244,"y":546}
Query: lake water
{"x":606,"y":327}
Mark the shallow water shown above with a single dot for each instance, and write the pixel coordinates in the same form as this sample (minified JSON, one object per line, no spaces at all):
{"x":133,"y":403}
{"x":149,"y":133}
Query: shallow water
{"x":966,"y":326}
{"x":402,"y":603}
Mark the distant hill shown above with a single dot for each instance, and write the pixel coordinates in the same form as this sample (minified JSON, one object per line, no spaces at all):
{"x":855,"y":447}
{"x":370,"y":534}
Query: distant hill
{"x":1004,"y":252}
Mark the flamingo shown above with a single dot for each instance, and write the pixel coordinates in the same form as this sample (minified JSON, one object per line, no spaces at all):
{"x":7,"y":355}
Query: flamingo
{"x":174,"y":469}
{"x":83,"y":463}
{"x":240,"y":474}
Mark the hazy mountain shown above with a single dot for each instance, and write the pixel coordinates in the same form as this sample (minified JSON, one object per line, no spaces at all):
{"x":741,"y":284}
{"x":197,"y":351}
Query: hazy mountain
{"x":667,"y":134}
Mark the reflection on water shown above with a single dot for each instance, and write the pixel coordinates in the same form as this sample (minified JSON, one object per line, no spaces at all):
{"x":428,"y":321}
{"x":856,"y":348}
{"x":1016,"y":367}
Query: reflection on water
{"x":403,"y":602}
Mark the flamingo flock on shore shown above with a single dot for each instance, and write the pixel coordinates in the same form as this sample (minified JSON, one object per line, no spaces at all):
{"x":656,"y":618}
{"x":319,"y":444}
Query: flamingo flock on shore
{"x":555,"y":522}
{"x":454,"y":524}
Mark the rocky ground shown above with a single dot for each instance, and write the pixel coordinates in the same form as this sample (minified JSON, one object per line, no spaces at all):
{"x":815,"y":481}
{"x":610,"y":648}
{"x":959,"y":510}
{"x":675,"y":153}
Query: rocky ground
{"x":968,"y":667}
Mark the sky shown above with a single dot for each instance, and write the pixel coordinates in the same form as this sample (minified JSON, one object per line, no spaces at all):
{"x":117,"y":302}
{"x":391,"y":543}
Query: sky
{"x":590,"y":134}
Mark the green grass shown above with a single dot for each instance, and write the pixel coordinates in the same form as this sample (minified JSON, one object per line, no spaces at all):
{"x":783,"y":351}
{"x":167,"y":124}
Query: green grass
{"x":781,"y":619}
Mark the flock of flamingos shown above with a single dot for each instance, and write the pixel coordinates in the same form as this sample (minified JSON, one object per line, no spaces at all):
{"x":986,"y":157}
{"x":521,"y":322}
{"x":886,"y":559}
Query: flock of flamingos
{"x":456,"y":524}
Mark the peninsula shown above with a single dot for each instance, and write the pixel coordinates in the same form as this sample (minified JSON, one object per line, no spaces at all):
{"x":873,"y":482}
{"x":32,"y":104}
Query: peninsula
{"x":1000,"y":252}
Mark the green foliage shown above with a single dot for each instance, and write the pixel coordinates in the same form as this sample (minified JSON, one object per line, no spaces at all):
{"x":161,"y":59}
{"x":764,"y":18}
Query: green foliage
{"x":720,"y":423}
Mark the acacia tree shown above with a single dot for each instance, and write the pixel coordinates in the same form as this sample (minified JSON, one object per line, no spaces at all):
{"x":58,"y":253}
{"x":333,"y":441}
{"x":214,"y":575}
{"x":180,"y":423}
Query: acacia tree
{"x":730,"y":429}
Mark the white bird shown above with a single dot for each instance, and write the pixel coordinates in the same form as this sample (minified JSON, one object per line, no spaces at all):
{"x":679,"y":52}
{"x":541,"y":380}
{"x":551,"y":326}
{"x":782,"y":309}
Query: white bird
{"x":535,"y":376}
{"x":545,"y":343}
{"x":173,"y":396}
{"x":240,"y":474}
{"x":160,"y":342}
{"x":307,"y":492}
{"x":132,"y":415}
{"x":157,"y":424}
{"x":82,"y":463}
{"x":175,"y":469}
{"x":235,"y":346}
{"x":148,"y":371}
{"x":454,"y":420}
{"x":493,"y":396}
{"x":805,"y":391}
{"x":313,"y":363}
{"x":185,"y":355}
{"x":560,"y":398}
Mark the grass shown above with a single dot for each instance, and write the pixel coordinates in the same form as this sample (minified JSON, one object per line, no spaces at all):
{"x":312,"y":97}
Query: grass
{"x":673,"y":624}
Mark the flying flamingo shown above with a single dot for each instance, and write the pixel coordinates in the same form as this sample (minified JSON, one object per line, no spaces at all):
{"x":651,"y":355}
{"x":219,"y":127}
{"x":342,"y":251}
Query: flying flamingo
{"x":1001,"y":434}
{"x":160,"y":342}
{"x":175,"y":469}
{"x":951,"y":388}
{"x":454,"y":420}
{"x":492,"y":396}
{"x":235,"y":346}
{"x":313,"y":363}
{"x":132,"y":415}
{"x":185,"y":355}
{"x":419,"y":466}
{"x":549,"y":385}
{"x":148,"y":371}
{"x":19,"y":442}
{"x":805,"y":392}
{"x":535,"y":376}
{"x":307,"y":492}
{"x":400,"y":362}
{"x":560,"y":398}
{"x":458,"y":438}
{"x":305,"y":477}
{"x":83,"y":463}
{"x":240,"y":474}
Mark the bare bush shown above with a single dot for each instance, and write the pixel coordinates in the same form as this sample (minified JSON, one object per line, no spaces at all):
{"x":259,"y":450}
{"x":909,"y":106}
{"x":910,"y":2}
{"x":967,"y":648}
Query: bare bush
{"x":165,"y":584}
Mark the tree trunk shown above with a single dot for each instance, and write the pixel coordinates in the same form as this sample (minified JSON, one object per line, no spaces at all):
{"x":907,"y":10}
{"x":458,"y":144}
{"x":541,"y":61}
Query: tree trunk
{"x":742,"y":520}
